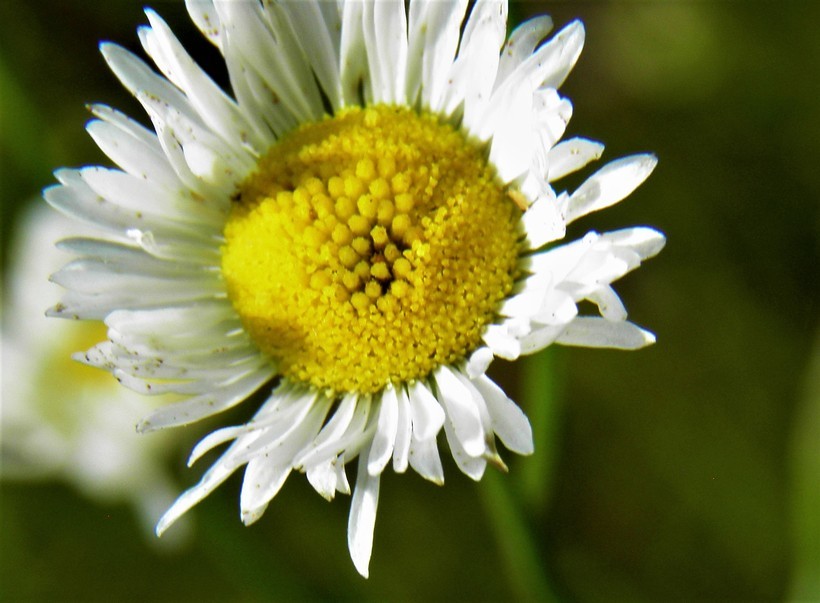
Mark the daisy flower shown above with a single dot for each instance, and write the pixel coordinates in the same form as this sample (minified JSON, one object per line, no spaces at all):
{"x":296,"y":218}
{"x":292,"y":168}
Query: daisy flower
{"x":62,"y":420}
{"x":359,"y":227}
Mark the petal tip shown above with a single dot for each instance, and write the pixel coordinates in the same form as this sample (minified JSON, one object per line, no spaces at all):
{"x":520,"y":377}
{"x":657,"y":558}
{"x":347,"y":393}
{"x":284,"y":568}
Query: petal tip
{"x":649,"y":161}
{"x":109,"y":49}
{"x":164,"y":523}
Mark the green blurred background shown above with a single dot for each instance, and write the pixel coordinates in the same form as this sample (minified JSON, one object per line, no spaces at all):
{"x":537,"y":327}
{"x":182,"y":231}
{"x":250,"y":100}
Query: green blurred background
{"x":687,"y":471}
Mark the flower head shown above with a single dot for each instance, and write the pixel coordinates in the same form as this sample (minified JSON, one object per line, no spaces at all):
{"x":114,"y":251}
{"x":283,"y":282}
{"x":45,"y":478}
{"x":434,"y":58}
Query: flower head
{"x":361,"y":227}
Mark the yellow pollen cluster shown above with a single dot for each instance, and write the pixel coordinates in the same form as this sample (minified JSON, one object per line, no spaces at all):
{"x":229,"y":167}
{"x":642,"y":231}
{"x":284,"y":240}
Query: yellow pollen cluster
{"x":370,"y":248}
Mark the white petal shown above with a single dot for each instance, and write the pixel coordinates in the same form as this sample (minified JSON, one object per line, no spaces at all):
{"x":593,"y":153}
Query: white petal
{"x":266,"y":472}
{"x":571,"y":155}
{"x":470,"y":79}
{"x":539,"y":338}
{"x":462,"y":413}
{"x":214,"y":439}
{"x":544,"y":69}
{"x":75,"y":198}
{"x":557,"y":308}
{"x":266,"y":44}
{"x":426,"y":412}
{"x":159,"y":371}
{"x":145,"y":137}
{"x":609,"y":304}
{"x":297,"y":424}
{"x":145,"y":197}
{"x":560,"y":261}
{"x":483,"y":413}
{"x":132,"y":154}
{"x":342,"y":484}
{"x":217,"y":109}
{"x":176,"y":131}
{"x":262,"y":481}
{"x":543,"y":223}
{"x":111,"y":251}
{"x":501,"y":342}
{"x":251,"y":516}
{"x":385,"y":437}
{"x":253,"y":429}
{"x":646,"y":242}
{"x":206,"y":404}
{"x":593,"y":332}
{"x":318,"y":28}
{"x":477,"y":65}
{"x":280,"y":49}
{"x":195,"y":383}
{"x":471,"y":466}
{"x":332,"y":431}
{"x":549,"y":66}
{"x":353,"y":54}
{"x":323,"y":477}
{"x":529,"y":296}
{"x":203,"y":162}
{"x":514,"y":137}
{"x":551,"y":114}
{"x":521,"y":44}
{"x":362,"y":519}
{"x":479,"y":362}
{"x":404,"y":430}
{"x":186,"y":319}
{"x":137,"y":77}
{"x":385,"y":34}
{"x":356,"y":433}
{"x":204,"y":14}
{"x":166,"y":285}
{"x":433,"y":40}
{"x":424,"y":459}
{"x":613,"y":182}
{"x":260,"y":105}
{"x":509,"y":422}
{"x":602,"y":264}
{"x":485,"y":15}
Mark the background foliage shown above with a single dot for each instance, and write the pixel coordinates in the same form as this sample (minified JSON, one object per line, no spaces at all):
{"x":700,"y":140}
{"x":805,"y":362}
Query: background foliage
{"x":690,"y":470}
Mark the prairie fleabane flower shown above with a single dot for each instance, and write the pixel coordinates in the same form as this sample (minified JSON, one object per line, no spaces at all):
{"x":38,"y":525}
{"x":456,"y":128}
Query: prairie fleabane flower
{"x":361,"y":227}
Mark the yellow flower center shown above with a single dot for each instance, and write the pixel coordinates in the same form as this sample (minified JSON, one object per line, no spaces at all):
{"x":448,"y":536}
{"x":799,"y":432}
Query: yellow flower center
{"x":370,"y":248}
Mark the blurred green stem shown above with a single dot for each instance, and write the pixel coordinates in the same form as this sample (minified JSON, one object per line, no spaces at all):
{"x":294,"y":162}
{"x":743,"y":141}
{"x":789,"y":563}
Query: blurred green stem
{"x":805,"y":476}
{"x":533,"y":478}
{"x":541,"y":395}
{"x":524,"y":567}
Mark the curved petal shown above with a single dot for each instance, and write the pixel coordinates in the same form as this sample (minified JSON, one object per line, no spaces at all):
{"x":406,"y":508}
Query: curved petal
{"x":612,"y":183}
{"x":362,"y":519}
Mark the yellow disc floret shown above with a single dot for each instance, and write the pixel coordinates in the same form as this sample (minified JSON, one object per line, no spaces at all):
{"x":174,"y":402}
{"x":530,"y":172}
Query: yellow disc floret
{"x":370,"y":248}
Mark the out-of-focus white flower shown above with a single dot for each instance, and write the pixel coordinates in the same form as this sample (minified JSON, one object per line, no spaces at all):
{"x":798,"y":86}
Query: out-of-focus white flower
{"x":61,"y":419}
